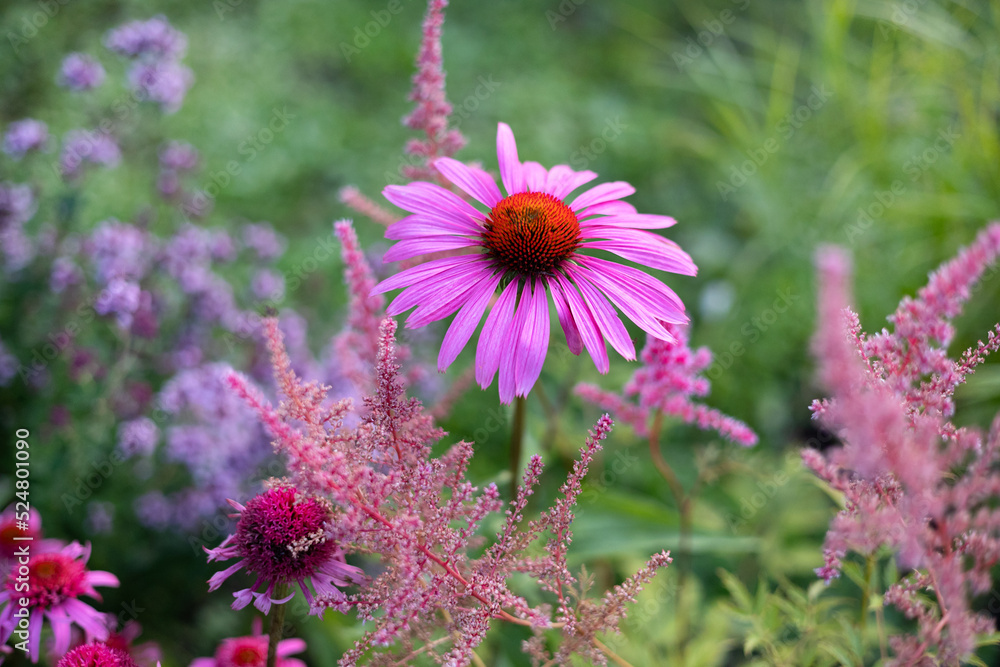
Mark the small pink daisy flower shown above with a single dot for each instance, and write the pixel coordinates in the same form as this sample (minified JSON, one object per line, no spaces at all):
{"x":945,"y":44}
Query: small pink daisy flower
{"x":252,"y":652}
{"x":531,"y":244}
{"x":52,"y":582}
{"x":282,"y":538}
{"x":96,"y":654}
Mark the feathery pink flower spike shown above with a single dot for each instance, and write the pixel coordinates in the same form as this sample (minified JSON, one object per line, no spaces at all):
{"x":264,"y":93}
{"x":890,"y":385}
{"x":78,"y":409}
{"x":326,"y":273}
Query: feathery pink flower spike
{"x":530,"y":244}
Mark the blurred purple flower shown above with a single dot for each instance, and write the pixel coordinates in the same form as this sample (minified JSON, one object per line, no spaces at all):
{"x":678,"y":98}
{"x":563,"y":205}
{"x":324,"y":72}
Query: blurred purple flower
{"x":138,"y":437}
{"x":154,"y":38}
{"x":165,"y":82}
{"x":268,"y":285}
{"x":262,"y":239}
{"x":120,"y":298}
{"x":65,"y":272}
{"x":8,"y":365}
{"x":81,"y":146}
{"x":119,"y":250}
{"x":17,"y":205}
{"x":23,"y":136}
{"x":80,"y":72}
{"x":179,"y":156}
{"x":100,"y":517}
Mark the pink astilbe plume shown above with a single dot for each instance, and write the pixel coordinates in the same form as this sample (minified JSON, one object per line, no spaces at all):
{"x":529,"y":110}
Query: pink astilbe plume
{"x":913,"y":483}
{"x":668,"y":381}
{"x":432,"y":110}
{"x":419,"y":516}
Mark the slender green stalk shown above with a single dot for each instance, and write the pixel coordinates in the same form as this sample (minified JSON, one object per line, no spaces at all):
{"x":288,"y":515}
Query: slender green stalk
{"x":277,"y":625}
{"x":516,"y":438}
{"x":683,"y":501}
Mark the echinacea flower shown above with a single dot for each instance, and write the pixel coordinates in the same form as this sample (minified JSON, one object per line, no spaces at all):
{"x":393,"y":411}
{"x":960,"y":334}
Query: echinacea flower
{"x":96,"y":654}
{"x":251,"y":651}
{"x":531,"y":244}
{"x":282,"y":538}
{"x":52,"y":582}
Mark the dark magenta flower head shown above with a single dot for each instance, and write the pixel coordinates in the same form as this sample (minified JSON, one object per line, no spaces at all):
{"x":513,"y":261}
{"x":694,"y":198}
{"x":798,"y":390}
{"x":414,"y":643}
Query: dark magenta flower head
{"x":282,"y":538}
{"x":96,"y":654}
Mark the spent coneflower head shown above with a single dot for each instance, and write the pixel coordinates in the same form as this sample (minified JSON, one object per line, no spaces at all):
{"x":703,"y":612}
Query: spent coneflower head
{"x":55,"y":582}
{"x":531,"y":243}
{"x":282,"y":538}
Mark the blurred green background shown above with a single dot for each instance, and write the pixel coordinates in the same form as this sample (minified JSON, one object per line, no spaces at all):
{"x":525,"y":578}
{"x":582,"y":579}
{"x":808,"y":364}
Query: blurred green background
{"x":765,"y":127}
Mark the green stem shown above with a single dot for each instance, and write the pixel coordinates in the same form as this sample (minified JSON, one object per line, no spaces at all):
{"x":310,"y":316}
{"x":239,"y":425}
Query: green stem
{"x":516,"y":438}
{"x":277,"y":625}
{"x":683,"y":502}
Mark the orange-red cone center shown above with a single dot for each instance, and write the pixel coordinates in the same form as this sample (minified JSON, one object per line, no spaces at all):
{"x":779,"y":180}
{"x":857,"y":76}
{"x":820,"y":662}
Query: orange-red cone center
{"x":531,"y":233}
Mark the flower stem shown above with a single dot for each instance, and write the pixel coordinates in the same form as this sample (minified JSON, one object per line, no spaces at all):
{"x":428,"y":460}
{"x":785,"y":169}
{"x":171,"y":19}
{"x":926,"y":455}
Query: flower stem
{"x":277,"y":625}
{"x":516,"y":438}
{"x":683,"y":502}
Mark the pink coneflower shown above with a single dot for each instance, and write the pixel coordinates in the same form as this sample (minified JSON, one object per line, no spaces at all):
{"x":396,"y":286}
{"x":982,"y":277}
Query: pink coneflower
{"x":96,"y":654}
{"x":282,"y":538}
{"x":530,"y":243}
{"x":55,"y":581}
{"x":252,"y":652}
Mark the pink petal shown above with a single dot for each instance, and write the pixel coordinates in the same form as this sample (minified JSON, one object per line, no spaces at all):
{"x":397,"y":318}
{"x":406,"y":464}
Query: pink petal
{"x":645,"y":248}
{"x":94,"y":624}
{"x":616,"y":207}
{"x":35,"y":633}
{"x":534,"y":176}
{"x":534,"y":341}
{"x":289,"y":646}
{"x":493,"y":335}
{"x":671,"y":308}
{"x":464,"y":324}
{"x":511,"y":172}
{"x":60,"y":629}
{"x":421,"y":272}
{"x":420,"y":225}
{"x":216,"y":579}
{"x":431,"y":199}
{"x":630,"y":220}
{"x":569,"y":327}
{"x":512,"y":348}
{"x":475,"y":182}
{"x":584,"y":319}
{"x":102,"y":578}
{"x":638,"y":310}
{"x":599,"y":194}
{"x":606,"y":318}
{"x":562,"y":180}
{"x":415,"y":247}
